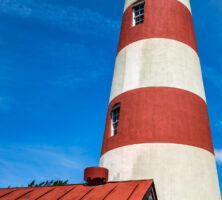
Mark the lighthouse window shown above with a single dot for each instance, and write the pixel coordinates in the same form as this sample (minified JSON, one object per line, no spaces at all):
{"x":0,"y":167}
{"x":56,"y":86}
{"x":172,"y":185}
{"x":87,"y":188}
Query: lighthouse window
{"x":138,"y":13}
{"x":115,"y":119}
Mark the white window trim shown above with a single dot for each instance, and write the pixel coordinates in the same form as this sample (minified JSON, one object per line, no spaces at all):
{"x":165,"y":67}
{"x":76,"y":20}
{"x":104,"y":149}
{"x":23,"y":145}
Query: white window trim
{"x":112,"y":128}
{"x":135,"y":5}
{"x":134,"y":21}
{"x":138,"y":4}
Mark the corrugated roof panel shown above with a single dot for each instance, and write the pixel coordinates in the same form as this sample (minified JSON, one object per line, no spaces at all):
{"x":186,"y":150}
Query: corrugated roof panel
{"x":101,"y":192}
{"x":37,"y":193}
{"x":123,"y":191}
{"x":4,"y":192}
{"x":141,"y":190}
{"x":78,"y":193}
{"x":58,"y":192}
{"x":17,"y":193}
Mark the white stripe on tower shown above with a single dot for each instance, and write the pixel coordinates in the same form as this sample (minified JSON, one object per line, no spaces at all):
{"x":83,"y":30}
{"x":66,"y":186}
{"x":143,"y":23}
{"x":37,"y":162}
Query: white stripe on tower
{"x":157,"y":62}
{"x":186,"y":3}
{"x":180,"y":172}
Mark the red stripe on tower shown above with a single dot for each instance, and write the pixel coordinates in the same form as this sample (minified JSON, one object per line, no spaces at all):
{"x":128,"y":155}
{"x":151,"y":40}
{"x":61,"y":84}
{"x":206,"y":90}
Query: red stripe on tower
{"x":159,"y":115}
{"x":164,"y":19}
{"x":157,"y":123}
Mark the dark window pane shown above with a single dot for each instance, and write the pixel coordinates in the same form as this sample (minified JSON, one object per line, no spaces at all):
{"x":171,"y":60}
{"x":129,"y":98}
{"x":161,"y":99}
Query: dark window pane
{"x":115,"y":118}
{"x":115,"y":126}
{"x":150,"y":197}
{"x":137,"y":13}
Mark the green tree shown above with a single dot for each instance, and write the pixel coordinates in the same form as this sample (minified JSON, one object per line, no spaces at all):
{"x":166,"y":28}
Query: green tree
{"x":48,"y":183}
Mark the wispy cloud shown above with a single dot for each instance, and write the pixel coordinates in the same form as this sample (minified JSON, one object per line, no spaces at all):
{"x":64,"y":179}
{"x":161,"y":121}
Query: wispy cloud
{"x":218,"y":155}
{"x":21,"y":164}
{"x":73,"y":78}
{"x":78,"y":20}
{"x":79,"y":62}
{"x":85,"y":64}
{"x":14,"y":6}
{"x":213,"y":76}
{"x":68,"y":80}
{"x":218,"y":126}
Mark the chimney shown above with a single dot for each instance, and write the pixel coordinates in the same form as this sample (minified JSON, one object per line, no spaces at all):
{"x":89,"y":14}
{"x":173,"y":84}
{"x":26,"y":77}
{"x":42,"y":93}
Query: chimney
{"x":96,"y":176}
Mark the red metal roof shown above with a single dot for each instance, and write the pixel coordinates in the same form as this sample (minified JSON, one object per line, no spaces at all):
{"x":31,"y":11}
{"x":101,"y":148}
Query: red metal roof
{"x":130,"y":190}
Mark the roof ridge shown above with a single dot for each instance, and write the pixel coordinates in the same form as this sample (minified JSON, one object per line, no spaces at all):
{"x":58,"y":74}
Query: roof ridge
{"x":49,"y":186}
{"x":131,"y":181}
{"x":78,"y":184}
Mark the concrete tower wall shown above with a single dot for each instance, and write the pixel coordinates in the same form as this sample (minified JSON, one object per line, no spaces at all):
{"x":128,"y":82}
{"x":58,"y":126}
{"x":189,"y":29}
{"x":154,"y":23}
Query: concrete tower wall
{"x":164,"y":131}
{"x":180,"y":172}
{"x":159,"y":62}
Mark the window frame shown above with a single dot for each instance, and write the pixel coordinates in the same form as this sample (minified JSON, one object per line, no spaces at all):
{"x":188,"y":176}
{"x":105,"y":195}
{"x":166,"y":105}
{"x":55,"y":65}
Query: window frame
{"x":138,"y":5}
{"x":151,"y":192}
{"x":116,"y":122}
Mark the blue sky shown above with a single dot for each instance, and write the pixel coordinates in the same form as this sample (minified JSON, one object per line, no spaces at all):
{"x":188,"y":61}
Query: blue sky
{"x":56,"y":65}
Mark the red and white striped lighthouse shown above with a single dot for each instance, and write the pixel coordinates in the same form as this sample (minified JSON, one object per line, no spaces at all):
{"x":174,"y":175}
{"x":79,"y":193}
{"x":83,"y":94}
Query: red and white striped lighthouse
{"x":157,"y":123}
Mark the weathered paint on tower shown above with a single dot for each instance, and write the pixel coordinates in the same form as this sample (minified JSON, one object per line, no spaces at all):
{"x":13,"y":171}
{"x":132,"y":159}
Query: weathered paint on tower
{"x":163,"y":128}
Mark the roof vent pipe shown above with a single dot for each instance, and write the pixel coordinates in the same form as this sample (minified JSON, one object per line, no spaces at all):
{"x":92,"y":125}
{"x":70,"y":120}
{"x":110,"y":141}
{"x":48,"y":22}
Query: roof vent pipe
{"x":96,"y":176}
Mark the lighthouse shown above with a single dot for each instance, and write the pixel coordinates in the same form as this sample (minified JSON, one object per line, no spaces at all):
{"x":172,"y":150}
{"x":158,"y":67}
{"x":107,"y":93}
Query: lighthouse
{"x":157,"y":123}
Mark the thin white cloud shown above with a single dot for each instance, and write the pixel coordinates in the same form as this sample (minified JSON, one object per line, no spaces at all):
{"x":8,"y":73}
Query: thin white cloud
{"x":68,"y":80}
{"x":213,"y":76}
{"x":85,"y":64}
{"x":78,"y":20}
{"x":218,"y":126}
{"x":13,"y":6}
{"x":21,"y":164}
{"x":218,"y":155}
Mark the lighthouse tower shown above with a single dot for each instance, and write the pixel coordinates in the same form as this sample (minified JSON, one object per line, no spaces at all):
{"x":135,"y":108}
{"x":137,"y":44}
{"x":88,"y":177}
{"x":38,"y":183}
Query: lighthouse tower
{"x":157,"y":124}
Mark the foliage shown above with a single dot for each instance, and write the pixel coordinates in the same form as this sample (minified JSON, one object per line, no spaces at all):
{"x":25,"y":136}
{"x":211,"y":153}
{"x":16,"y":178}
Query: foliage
{"x":48,"y":183}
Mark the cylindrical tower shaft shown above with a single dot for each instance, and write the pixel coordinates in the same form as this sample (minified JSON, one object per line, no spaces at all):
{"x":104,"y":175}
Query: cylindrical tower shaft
{"x":157,"y":122}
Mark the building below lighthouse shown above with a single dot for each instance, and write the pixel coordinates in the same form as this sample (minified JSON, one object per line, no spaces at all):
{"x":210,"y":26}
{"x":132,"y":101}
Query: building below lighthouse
{"x":157,"y":141}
